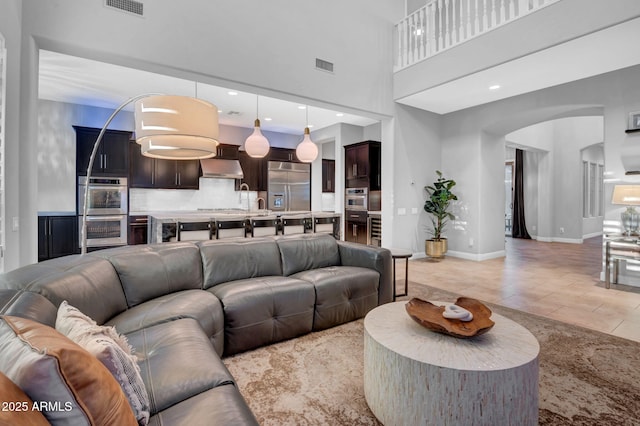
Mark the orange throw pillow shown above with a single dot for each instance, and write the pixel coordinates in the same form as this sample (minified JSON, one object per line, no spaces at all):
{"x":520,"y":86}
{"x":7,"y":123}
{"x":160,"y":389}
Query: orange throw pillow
{"x":70,"y":384}
{"x":17,"y":408}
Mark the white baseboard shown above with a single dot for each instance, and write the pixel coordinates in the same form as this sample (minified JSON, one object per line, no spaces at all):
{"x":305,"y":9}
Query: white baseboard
{"x":591,"y":235}
{"x":559,"y":240}
{"x":467,"y":256}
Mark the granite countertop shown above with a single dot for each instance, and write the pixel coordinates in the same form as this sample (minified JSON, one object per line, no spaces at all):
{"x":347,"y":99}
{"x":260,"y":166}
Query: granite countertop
{"x":230,"y":214}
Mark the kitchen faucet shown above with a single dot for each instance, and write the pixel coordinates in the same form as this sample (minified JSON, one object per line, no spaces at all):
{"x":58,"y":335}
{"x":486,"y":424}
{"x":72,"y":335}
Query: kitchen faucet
{"x":246,"y":187}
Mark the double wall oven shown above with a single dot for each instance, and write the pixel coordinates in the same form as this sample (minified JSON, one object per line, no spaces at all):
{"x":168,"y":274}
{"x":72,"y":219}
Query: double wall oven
{"x":106,"y":211}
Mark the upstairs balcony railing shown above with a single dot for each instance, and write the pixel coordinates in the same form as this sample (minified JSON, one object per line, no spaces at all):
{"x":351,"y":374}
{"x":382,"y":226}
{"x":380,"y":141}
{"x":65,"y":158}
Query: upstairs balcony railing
{"x":442,"y":24}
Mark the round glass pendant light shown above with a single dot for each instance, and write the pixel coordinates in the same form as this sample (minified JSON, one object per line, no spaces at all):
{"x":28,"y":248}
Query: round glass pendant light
{"x":176,"y":127}
{"x":257,"y":145}
{"x":307,"y":151}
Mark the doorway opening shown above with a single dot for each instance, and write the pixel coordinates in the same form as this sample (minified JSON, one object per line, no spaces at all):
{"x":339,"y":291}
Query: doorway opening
{"x":509,"y":169}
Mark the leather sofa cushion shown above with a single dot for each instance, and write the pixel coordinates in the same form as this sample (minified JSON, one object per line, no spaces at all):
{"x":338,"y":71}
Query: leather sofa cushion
{"x":376,"y":258}
{"x":222,"y":405}
{"x":51,"y":368}
{"x":225,"y":261}
{"x":304,"y":252}
{"x":155,"y":270}
{"x":199,"y":305}
{"x":19,"y":407}
{"x":177,"y":362}
{"x":264,"y":310}
{"x":343,"y":293}
{"x":80,"y":280}
{"x":29,"y":305}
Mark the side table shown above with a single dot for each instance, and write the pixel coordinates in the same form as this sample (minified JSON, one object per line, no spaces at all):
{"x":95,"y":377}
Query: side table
{"x":414,"y":376}
{"x":401,"y":254}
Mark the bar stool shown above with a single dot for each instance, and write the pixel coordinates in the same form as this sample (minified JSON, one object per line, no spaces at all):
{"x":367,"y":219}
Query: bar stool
{"x":231,"y":228}
{"x":324,"y":224}
{"x":194,"y":231}
{"x":401,"y":254}
{"x":294,"y":225}
{"x":264,"y":227}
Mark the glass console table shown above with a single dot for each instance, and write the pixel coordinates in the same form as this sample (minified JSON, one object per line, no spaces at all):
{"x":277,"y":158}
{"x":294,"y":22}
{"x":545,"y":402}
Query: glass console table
{"x":617,"y":249}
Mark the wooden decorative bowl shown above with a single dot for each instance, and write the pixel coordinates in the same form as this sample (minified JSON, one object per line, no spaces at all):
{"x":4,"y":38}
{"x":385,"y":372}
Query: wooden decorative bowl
{"x":430,"y":316}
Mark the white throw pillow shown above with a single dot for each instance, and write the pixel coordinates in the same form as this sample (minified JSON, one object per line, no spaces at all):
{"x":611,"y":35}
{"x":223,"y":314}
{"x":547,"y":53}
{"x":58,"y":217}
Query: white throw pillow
{"x":112,"y":349}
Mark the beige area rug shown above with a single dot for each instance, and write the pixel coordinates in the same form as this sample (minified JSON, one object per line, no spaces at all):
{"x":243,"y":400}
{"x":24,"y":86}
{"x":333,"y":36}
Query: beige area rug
{"x":586,"y":377}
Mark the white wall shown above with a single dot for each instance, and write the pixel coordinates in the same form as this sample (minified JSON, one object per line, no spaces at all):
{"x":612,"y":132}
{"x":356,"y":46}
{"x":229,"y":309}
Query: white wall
{"x":17,"y":251}
{"x":415,"y":155}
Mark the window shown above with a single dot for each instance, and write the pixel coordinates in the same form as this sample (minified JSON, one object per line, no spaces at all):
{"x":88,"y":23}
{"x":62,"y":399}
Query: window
{"x":592,"y":189}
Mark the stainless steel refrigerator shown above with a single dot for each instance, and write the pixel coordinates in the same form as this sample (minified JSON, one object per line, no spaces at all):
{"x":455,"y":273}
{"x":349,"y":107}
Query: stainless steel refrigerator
{"x":289,"y":186}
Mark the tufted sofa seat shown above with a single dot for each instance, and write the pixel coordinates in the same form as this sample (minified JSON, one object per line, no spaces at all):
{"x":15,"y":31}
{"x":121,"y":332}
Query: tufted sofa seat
{"x":183,"y":306}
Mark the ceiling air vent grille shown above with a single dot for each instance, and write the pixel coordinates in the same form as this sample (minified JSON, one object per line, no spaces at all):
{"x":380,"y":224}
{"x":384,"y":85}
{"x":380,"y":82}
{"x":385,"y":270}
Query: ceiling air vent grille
{"x":130,"y":6}
{"x":324,"y":65}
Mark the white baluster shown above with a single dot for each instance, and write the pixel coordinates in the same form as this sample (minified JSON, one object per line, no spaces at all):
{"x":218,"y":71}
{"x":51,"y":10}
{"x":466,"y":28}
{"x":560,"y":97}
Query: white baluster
{"x":468,"y":25}
{"x":503,"y":14}
{"x":523,"y":7}
{"x":440,"y":29}
{"x":476,"y":19}
{"x":431,"y":10}
{"x":494,"y":13}
{"x":455,"y":23}
{"x":403,"y":43}
{"x":423,"y":31}
{"x":447,"y":28}
{"x":485,"y":16}
{"x":414,"y":41}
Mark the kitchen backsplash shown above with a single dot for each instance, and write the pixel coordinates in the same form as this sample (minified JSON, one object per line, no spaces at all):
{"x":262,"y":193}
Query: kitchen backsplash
{"x":213,"y":194}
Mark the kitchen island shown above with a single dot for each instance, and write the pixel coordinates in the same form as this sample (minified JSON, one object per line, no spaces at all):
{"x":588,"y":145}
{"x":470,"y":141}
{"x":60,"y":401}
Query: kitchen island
{"x":163,"y":226}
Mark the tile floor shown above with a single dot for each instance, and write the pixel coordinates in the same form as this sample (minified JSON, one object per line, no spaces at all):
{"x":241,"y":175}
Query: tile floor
{"x":555,"y":280}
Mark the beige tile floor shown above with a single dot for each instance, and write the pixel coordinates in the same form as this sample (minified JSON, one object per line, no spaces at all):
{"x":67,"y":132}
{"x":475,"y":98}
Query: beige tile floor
{"x":555,"y":280}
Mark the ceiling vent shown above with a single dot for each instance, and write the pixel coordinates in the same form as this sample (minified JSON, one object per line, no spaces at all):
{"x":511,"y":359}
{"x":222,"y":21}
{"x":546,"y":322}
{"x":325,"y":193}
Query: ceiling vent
{"x":324,"y":65}
{"x":233,"y":113}
{"x":130,"y":6}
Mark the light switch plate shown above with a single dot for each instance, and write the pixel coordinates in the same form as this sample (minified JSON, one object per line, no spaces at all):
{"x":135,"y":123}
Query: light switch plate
{"x":402,"y":211}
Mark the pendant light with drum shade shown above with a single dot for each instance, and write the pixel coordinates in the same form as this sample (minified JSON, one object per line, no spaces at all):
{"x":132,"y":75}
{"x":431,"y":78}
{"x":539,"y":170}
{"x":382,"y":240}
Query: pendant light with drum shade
{"x":167,"y":127}
{"x":307,"y":151}
{"x":256,"y":145}
{"x":176,"y":127}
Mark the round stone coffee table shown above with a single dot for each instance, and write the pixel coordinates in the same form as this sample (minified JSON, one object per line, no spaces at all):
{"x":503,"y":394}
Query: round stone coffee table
{"x":414,"y":376}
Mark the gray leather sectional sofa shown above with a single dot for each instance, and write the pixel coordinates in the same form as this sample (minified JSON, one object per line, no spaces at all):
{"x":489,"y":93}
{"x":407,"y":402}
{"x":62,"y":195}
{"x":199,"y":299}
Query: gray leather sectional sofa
{"x":183,"y":306}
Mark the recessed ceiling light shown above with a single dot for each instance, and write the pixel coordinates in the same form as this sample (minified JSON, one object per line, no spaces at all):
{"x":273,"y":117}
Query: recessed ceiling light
{"x":302,"y":107}
{"x":339,"y":114}
{"x":494,"y":87}
{"x":309,"y":125}
{"x":232,"y":93}
{"x":267,"y":119}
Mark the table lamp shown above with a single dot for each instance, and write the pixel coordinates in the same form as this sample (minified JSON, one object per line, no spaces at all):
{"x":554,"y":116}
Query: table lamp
{"x":628,"y":195}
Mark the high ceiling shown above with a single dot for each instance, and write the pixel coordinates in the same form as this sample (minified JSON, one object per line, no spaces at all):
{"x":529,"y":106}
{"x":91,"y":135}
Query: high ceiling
{"x":75,"y":80}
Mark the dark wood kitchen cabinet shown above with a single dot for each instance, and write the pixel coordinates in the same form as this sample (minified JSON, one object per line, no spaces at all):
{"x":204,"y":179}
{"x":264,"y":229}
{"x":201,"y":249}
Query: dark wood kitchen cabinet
{"x":138,"y":230}
{"x":356,"y":226}
{"x":112,"y":157}
{"x":255,"y":171}
{"x":177,"y":174}
{"x":147,"y":172}
{"x":363,"y":165}
{"x":57,"y":236}
{"x":227,"y":151}
{"x":283,"y":154}
{"x":328,"y":175}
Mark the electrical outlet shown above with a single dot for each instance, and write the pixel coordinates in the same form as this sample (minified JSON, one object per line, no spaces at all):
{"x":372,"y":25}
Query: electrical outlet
{"x":470,"y":242}
{"x":15,"y":224}
{"x":414,"y":210}
{"x":402,"y":211}
{"x":562,"y":230}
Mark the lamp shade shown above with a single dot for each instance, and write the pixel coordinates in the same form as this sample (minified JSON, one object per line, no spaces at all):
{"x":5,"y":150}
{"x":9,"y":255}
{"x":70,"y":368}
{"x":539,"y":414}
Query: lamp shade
{"x":256,"y":145}
{"x":627,"y":195}
{"x":306,"y":151}
{"x":176,"y":127}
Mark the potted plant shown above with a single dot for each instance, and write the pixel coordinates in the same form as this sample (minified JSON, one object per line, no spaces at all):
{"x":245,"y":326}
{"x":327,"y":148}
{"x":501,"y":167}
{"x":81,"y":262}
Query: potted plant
{"x":437,"y":204}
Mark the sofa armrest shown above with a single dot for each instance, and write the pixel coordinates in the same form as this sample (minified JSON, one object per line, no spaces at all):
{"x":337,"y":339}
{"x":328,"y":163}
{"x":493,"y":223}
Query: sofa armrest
{"x":378,"y":259}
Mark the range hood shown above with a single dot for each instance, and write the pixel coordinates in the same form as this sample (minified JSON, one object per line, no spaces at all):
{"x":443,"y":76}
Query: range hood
{"x":219,"y":168}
